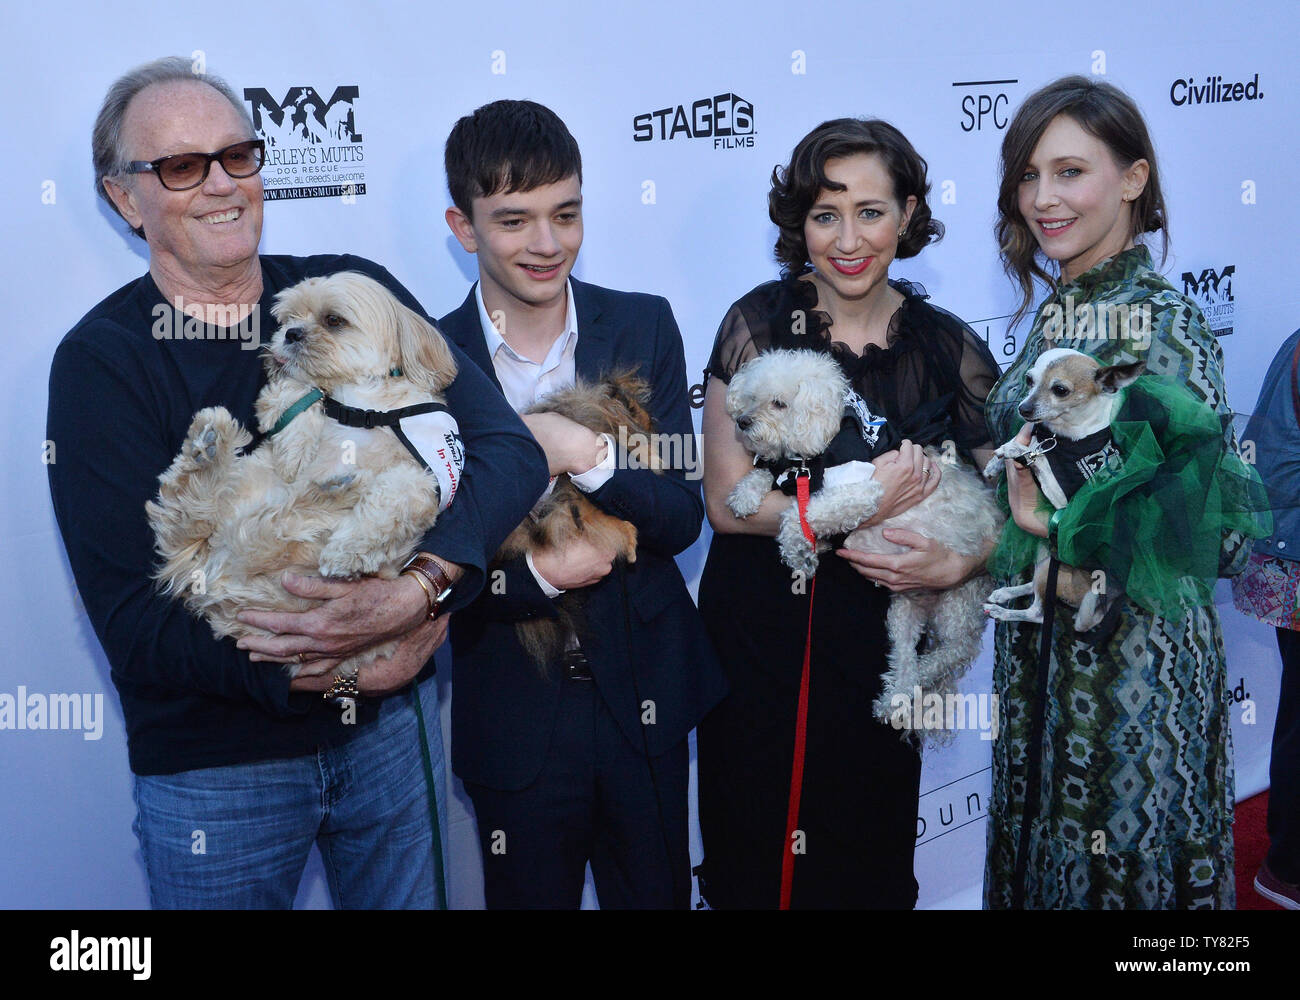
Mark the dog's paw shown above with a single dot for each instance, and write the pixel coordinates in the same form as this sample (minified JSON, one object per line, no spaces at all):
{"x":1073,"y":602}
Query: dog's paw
{"x":796,"y":551}
{"x":342,"y":562}
{"x":747,"y":495}
{"x":1092,"y":609}
{"x":999,"y":613}
{"x":336,"y":484}
{"x":1011,"y":450}
{"x":202,"y":448}
{"x":211,"y":430}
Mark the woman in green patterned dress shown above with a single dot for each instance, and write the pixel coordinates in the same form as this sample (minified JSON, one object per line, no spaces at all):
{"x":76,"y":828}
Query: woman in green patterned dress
{"x":1134,"y":800}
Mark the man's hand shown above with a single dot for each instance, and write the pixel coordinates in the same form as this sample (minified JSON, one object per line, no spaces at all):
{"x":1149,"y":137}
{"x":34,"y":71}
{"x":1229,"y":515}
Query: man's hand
{"x":569,"y":446}
{"x":576,"y":565}
{"x":391,"y":673}
{"x":354,"y":616}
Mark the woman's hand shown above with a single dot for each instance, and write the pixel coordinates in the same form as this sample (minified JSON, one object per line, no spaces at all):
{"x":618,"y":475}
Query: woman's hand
{"x":926,"y":564}
{"x":1023,"y":494}
{"x":908,"y":477}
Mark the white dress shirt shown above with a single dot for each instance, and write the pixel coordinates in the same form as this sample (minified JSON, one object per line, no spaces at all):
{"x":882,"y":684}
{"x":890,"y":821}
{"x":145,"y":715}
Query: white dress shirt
{"x":524,"y":382}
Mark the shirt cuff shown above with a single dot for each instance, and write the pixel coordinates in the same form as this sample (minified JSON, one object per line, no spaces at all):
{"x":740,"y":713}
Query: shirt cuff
{"x":597,"y":476}
{"x":547,"y":589}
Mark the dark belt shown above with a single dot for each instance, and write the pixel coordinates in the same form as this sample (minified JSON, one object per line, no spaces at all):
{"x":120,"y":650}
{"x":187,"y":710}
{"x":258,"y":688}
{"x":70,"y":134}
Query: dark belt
{"x":575,"y":665}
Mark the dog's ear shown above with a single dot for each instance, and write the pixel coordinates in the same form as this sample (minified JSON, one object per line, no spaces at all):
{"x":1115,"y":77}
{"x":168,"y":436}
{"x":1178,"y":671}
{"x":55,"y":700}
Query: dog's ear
{"x":427,"y":361}
{"x":736,"y":392}
{"x":1113,"y":378}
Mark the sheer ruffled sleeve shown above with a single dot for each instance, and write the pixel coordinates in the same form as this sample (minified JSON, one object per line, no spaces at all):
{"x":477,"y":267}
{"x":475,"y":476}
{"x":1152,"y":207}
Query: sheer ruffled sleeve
{"x":732,"y":347}
{"x":749,"y":328}
{"x":978,"y":372}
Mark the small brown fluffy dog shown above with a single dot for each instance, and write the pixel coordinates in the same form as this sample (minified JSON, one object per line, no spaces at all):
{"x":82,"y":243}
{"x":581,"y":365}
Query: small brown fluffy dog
{"x":617,"y":402}
{"x":317,"y":497}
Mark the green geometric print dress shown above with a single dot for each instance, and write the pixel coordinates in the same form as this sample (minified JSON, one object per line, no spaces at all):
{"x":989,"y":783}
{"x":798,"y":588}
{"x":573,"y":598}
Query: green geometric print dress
{"x":1136,"y":790}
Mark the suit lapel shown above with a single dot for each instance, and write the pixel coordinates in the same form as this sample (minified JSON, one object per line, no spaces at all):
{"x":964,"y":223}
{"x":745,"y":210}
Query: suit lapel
{"x":595,"y":351}
{"x":463,"y":328}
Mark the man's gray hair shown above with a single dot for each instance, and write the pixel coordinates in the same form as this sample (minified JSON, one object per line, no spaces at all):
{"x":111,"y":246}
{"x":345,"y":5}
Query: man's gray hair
{"x":106,"y":141}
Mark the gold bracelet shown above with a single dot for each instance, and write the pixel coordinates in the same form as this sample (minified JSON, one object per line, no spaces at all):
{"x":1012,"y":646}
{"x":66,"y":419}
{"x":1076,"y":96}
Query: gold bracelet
{"x":344,"y":690}
{"x":419,"y":578}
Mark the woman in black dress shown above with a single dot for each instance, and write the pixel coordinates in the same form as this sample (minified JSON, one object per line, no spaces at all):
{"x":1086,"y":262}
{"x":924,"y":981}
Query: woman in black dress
{"x":851,"y":200}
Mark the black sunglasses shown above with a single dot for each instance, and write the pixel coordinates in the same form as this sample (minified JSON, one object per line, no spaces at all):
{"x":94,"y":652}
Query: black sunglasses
{"x":182,"y":171}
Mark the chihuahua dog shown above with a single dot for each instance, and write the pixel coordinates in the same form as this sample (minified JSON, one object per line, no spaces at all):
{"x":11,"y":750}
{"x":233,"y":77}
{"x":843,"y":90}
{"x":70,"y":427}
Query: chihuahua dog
{"x":1072,"y":397}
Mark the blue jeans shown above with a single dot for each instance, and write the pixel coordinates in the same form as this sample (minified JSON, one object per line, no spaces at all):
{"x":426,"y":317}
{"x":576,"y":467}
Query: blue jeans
{"x":238,"y":837}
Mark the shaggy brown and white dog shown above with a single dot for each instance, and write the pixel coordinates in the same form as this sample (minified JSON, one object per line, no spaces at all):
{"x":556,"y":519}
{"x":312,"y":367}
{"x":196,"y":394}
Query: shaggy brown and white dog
{"x":617,"y":406}
{"x":316,"y":496}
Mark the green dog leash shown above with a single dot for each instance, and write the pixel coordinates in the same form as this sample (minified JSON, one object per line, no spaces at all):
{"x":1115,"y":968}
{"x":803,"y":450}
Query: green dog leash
{"x":440,"y":877}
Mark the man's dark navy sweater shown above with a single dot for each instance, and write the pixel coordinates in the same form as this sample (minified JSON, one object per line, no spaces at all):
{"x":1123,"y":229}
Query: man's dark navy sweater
{"x":121,"y":400}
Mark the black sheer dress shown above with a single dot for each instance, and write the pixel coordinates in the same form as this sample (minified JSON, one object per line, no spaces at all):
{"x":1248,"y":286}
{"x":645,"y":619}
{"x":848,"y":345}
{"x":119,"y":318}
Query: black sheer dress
{"x":861,"y":781}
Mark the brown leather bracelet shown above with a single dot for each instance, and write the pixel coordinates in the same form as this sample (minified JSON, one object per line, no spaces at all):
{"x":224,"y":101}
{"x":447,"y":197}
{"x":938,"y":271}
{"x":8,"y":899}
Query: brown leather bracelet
{"x":427,"y":567}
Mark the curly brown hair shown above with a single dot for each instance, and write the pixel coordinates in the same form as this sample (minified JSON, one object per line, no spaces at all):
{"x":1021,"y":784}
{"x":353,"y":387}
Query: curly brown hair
{"x":795,"y":187}
{"x":1102,"y":110}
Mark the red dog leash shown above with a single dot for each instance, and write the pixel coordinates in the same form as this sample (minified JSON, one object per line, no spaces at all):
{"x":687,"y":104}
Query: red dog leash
{"x":801,"y":716}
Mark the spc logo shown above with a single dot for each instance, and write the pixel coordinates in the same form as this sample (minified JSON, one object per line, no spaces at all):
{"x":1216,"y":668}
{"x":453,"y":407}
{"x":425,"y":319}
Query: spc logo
{"x":986,"y":104}
{"x":1212,"y":291}
{"x":727,"y":119}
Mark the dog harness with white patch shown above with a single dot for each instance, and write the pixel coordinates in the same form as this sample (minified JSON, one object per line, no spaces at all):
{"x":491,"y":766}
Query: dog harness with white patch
{"x":425,"y":429}
{"x":862,"y":437}
{"x":856,"y":440}
{"x":1073,"y":463}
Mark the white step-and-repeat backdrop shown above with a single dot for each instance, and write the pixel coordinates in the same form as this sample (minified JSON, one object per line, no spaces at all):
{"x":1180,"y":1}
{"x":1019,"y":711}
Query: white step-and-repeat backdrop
{"x":677,"y":208}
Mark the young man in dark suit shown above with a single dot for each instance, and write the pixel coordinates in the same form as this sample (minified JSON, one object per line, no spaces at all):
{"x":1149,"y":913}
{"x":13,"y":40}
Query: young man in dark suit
{"x":587,"y":760}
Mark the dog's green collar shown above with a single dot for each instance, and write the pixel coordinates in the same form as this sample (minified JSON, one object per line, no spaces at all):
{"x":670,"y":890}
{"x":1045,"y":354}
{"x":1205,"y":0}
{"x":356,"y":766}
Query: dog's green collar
{"x":286,"y":418}
{"x":314,"y":396}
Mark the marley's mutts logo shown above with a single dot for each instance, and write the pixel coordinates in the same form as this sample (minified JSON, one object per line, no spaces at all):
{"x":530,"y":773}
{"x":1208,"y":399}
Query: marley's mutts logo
{"x":727,"y":119}
{"x":1212,"y":291}
{"x":313,"y":146}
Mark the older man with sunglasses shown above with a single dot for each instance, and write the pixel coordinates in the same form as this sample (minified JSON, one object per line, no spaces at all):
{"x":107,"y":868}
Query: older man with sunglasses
{"x":238,"y":770}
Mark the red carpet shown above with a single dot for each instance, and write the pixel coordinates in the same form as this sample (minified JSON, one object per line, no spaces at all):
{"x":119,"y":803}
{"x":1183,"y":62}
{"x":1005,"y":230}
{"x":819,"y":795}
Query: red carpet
{"x":1250,"y":839}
